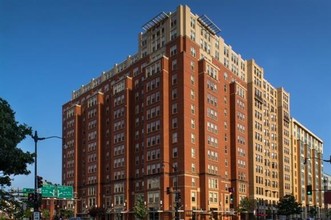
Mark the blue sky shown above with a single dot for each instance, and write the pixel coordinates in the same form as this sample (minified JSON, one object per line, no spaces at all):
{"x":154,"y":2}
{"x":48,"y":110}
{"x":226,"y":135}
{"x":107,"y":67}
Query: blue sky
{"x":50,"y":48}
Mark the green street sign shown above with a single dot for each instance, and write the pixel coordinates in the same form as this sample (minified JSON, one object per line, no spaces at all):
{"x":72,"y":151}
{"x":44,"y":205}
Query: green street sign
{"x":52,"y":191}
{"x":64,"y":192}
{"x":26,"y":191}
{"x":48,"y":191}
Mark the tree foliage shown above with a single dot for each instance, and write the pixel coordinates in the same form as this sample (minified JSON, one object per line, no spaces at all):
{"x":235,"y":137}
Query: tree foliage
{"x":312,"y":212}
{"x":9,"y":205}
{"x":328,"y":213}
{"x":97,"y":211}
{"x":28,"y":213}
{"x":45,"y":213}
{"x":60,"y":214}
{"x":140,"y":209}
{"x":13,"y":161}
{"x":288,"y":206}
{"x":247,"y":205}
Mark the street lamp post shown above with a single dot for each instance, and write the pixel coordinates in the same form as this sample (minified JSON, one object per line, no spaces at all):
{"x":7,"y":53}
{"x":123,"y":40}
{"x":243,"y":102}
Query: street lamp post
{"x":324,"y":160}
{"x":177,"y":194}
{"x":123,"y":211}
{"x":176,"y":191}
{"x":36,"y":138}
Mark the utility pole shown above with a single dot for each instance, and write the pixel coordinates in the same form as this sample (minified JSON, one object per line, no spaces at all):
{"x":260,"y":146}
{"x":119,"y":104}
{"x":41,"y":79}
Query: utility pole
{"x":176,"y":191}
{"x":35,"y":201}
{"x":177,"y":196}
{"x":36,"y":138}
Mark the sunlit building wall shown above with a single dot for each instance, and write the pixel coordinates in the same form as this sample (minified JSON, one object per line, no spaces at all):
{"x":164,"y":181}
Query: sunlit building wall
{"x":269,"y":139}
{"x":307,"y":151}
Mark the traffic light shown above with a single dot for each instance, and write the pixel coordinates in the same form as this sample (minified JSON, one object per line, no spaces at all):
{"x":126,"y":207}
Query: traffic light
{"x":38,"y":198}
{"x":39,"y":181}
{"x":231,"y":198}
{"x":31,"y":197}
{"x":309,"y":190}
{"x":179,"y":196}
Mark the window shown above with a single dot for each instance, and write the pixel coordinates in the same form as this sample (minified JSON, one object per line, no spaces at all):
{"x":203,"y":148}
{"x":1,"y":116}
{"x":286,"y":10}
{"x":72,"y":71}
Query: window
{"x":193,"y":152}
{"x":192,"y":79}
{"x":174,"y":94}
{"x":192,"y":65}
{"x":175,"y":152}
{"x":174,"y":65}
{"x":193,"y":138}
{"x":192,"y":109}
{"x":192,"y":35}
{"x":193,"y":194}
{"x":211,"y":100}
{"x":192,"y":123}
{"x":173,"y":34}
{"x":217,"y":54}
{"x":225,"y":76}
{"x":192,"y":22}
{"x":212,"y":127}
{"x":211,"y":113}
{"x":174,"y":79}
{"x":174,"y":137}
{"x":173,"y":50}
{"x":174,"y":108}
{"x":211,"y":71}
{"x":192,"y":94}
{"x":193,"y":53}
{"x":213,"y":197}
{"x":173,"y":22}
{"x":212,"y":183}
{"x":174,"y":123}
{"x":211,"y":85}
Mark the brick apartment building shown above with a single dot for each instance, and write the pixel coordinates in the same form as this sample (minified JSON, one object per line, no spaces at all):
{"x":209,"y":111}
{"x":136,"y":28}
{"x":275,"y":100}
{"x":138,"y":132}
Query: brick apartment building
{"x":186,"y":123}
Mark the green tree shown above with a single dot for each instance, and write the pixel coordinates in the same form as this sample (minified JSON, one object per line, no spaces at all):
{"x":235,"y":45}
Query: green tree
{"x":140,"y":209}
{"x":269,"y":212}
{"x":27,"y":213}
{"x":45,"y":214}
{"x":247,"y":207}
{"x":288,"y":206}
{"x":13,"y":161}
{"x":9,"y":205}
{"x":97,"y":212}
{"x":312,"y":212}
{"x":328,"y":214}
